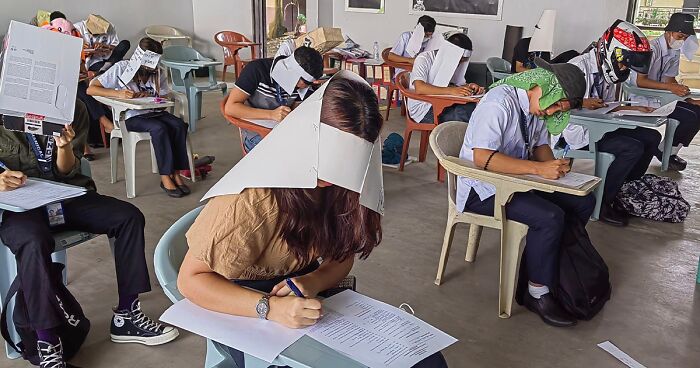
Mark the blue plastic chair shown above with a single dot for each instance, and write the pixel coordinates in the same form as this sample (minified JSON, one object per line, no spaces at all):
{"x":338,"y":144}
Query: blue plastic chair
{"x":305,"y":353}
{"x":181,"y":62}
{"x":8,"y":265}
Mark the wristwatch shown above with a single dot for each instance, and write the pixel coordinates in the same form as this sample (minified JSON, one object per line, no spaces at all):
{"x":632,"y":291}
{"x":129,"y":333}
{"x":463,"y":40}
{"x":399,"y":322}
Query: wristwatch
{"x":263,"y":306}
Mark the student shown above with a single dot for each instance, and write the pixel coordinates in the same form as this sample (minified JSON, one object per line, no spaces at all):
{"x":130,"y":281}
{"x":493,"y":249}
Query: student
{"x":168,"y":132}
{"x":420,"y":82}
{"x":108,"y":49}
{"x":538,"y":102}
{"x":399,"y":54}
{"x":29,"y":237}
{"x":663,"y":70}
{"x":268,"y":88}
{"x":264,"y":235}
{"x":633,"y":148}
{"x":524,"y":59}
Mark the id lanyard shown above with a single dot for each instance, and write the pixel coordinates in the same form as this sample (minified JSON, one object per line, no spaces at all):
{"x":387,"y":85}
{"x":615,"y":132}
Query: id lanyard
{"x":523,"y":130}
{"x":45,"y":158}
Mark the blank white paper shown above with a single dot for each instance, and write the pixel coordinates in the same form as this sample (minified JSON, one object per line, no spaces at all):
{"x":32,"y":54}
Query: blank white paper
{"x":571,"y":180}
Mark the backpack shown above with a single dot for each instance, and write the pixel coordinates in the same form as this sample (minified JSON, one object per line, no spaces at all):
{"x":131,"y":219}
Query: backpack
{"x":583,"y":286}
{"x":72,"y":331}
{"x":584,"y":281}
{"x":391,"y":149}
{"x":655,"y":198}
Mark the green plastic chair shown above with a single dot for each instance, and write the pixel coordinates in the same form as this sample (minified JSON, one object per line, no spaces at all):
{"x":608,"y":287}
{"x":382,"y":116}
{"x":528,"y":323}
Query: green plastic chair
{"x":183,"y":79}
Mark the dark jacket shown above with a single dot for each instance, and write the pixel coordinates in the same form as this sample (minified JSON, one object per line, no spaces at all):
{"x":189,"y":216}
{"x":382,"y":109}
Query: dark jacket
{"x":17,"y":154}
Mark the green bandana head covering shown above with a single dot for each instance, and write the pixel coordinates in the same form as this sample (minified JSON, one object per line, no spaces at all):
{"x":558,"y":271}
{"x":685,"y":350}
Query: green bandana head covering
{"x":551,"y":93}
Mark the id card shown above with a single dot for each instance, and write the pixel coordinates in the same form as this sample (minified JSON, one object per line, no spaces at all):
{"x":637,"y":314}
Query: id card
{"x":55,"y":213}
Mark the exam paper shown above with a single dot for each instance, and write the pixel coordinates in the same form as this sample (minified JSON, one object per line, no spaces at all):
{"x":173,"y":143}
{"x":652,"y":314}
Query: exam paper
{"x":571,"y":180}
{"x":265,"y":123}
{"x":620,"y":355}
{"x":662,"y":111}
{"x":258,"y":337}
{"x":38,"y":193}
{"x":376,"y":334}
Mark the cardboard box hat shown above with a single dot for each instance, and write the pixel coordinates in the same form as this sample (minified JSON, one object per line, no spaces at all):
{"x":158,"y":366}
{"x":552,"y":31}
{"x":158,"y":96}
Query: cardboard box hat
{"x":322,"y":39}
{"x":96,"y":24}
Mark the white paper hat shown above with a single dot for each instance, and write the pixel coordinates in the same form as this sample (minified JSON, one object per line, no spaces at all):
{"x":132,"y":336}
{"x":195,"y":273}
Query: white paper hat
{"x":447,"y":64}
{"x":690,"y":47}
{"x":140,"y":57}
{"x":416,"y":41}
{"x":287,"y":72}
{"x":301,"y":150}
{"x":543,"y":37}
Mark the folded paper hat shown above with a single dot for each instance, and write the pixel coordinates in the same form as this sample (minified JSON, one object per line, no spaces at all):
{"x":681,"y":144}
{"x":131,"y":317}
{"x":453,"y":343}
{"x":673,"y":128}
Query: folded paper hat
{"x":302,"y":150}
{"x":96,"y":24}
{"x":543,"y":37}
{"x":287,"y":73}
{"x":140,"y":58}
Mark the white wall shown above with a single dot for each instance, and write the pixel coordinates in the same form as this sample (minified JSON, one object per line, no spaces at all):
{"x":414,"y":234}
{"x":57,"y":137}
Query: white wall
{"x":578,"y":23}
{"x":130,"y":17}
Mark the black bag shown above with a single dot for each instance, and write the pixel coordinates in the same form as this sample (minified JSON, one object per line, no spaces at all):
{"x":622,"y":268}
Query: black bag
{"x":72,"y":331}
{"x":584,"y":281}
{"x":583,"y":286}
{"x":655,"y":198}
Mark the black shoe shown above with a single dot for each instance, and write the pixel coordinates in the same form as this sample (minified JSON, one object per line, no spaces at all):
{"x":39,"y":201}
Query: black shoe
{"x":612,"y":216}
{"x":89,"y":156}
{"x":175,"y":193}
{"x":50,"y":356}
{"x":132,"y":326}
{"x":549,"y":310}
{"x":184,"y":189}
{"x":676,"y":163}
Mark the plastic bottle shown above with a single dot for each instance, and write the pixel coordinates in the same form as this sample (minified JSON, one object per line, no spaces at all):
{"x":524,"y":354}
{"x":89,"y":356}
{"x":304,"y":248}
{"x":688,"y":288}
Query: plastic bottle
{"x":376,"y":51}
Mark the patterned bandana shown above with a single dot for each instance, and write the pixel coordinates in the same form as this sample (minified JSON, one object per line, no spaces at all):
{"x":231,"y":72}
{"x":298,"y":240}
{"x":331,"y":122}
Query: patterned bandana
{"x":551,"y":93}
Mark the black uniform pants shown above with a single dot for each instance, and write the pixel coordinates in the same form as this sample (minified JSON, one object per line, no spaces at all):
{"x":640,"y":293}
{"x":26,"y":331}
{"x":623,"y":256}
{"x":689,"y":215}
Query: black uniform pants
{"x":169,"y":138}
{"x":30,"y":239}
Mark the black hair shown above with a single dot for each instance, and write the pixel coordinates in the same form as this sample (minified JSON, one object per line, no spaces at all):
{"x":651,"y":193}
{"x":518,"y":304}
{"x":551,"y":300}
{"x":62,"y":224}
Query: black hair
{"x":57,"y":15}
{"x":461,"y":40}
{"x":149,"y":44}
{"x":428,"y":23}
{"x":310,"y":60}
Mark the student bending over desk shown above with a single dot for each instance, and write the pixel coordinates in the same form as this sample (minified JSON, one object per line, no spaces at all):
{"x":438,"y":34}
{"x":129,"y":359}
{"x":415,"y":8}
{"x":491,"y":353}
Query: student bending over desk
{"x":263,"y":235}
{"x":29,"y":237}
{"x":509,"y":133}
{"x":168,"y":132}
{"x":268,"y":88}
{"x":399,"y":53}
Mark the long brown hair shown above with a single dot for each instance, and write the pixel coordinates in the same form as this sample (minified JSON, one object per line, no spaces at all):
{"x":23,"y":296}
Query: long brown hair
{"x":330,"y":222}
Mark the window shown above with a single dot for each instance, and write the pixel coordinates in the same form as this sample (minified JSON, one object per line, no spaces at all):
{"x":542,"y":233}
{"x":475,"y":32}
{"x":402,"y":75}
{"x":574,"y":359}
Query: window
{"x":284,"y":19}
{"x":652,"y":15}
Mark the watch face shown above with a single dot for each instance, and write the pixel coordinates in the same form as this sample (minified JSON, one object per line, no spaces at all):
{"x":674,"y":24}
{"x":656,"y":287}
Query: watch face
{"x":262,"y":308}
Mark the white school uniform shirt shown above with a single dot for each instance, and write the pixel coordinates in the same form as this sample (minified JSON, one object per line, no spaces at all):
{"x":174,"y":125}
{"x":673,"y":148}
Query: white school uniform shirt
{"x":421,"y":71}
{"x":575,"y":135}
{"x":402,"y":43}
{"x":495,"y":125}
{"x":110,"y":79}
{"x":665,"y":63}
{"x":109,"y":38}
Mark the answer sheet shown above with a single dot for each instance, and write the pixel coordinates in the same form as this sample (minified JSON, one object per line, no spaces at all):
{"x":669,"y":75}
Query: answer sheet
{"x":662,"y":111}
{"x":38,"y":193}
{"x":375,"y":333}
{"x":571,"y":180}
{"x":260,"y":338}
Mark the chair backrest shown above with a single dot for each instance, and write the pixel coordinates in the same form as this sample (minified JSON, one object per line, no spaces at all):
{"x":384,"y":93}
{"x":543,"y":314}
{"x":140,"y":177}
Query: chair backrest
{"x":498,"y":65}
{"x":181,"y":53}
{"x":243,"y":124}
{"x":446,"y":141}
{"x":170,"y":252}
{"x":162,"y":30}
{"x":403,"y":78}
{"x":227,"y":40}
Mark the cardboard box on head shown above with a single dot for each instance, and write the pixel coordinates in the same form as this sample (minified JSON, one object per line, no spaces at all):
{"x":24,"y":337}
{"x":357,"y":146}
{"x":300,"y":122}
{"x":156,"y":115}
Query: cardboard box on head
{"x":322,"y":39}
{"x":39,"y":79}
{"x":97,"y":25}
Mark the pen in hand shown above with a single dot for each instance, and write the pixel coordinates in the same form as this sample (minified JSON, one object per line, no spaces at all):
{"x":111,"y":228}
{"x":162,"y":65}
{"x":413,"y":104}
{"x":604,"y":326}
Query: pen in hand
{"x":294,"y":288}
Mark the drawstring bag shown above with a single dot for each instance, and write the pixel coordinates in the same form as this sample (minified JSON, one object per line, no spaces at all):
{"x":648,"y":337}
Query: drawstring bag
{"x":391,"y":149}
{"x":655,"y":198}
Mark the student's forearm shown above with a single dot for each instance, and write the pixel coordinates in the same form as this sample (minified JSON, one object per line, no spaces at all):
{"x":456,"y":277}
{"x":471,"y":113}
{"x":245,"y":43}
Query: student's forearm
{"x":399,"y":59}
{"x":423,"y":88}
{"x":65,"y":160}
{"x":101,"y":91}
{"x":543,"y":153}
{"x":330,"y":273}
{"x":504,"y":164}
{"x":243,"y":111}
{"x":643,"y":82}
{"x":211,"y":291}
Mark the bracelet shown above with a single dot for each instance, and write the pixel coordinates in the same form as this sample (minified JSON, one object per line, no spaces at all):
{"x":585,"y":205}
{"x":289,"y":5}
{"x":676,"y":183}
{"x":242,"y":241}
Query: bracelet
{"x":488,"y":160}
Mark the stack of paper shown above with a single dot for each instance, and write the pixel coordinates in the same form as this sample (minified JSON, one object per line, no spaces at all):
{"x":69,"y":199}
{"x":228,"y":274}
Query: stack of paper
{"x":366,"y":330}
{"x":570,"y":180}
{"x":38,"y":193}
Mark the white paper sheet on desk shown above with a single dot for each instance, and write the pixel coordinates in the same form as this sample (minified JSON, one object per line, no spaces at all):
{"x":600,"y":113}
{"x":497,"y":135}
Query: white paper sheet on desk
{"x":148,"y":100}
{"x":260,"y":338}
{"x":265,"y":123}
{"x":604,"y":110}
{"x":376,"y":334}
{"x":38,"y":193}
{"x":662,"y":111}
{"x":571,"y":180}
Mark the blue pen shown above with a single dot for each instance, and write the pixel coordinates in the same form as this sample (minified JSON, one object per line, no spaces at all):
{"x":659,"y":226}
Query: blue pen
{"x":566,"y":151}
{"x":3,"y":166}
{"x":294,"y":288}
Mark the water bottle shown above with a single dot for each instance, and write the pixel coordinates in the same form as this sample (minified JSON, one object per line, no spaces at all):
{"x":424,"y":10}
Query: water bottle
{"x":376,"y":51}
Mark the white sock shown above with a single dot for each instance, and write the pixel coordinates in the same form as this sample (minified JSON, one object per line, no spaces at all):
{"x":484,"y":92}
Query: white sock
{"x":674,"y":150}
{"x":537,"y":291}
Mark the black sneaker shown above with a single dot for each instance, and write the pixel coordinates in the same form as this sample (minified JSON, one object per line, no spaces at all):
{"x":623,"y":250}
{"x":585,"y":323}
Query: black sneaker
{"x":134,"y":326}
{"x":51,"y":356}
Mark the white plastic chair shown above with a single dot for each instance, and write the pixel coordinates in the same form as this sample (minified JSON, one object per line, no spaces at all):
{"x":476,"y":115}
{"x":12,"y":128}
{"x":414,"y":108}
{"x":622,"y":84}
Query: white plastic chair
{"x":168,"y":34}
{"x":129,"y":142}
{"x":499,"y":68}
{"x":8,"y":265}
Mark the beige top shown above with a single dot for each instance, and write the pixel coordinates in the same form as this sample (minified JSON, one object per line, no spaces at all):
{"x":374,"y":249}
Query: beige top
{"x":237,"y":237}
